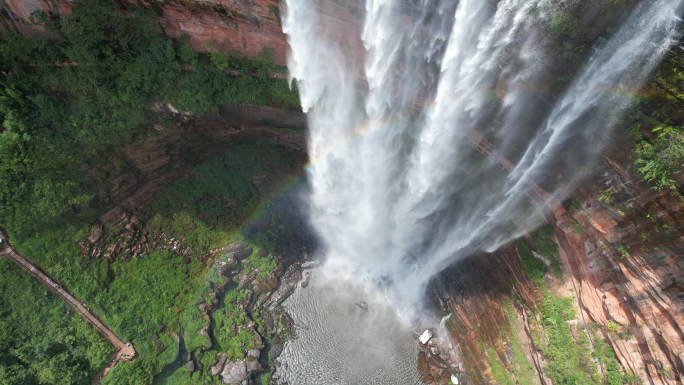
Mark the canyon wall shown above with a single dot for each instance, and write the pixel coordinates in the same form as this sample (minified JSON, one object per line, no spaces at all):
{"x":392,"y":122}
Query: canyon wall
{"x":620,"y":242}
{"x":247,"y":27}
{"x":624,"y":272}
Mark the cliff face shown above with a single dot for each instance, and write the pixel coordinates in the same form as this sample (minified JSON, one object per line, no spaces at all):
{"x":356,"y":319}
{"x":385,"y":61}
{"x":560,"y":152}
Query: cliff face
{"x":627,"y":269}
{"x":181,"y":143}
{"x":247,"y":27}
{"x":620,"y":242}
{"x":624,"y":273}
{"x":621,"y":245}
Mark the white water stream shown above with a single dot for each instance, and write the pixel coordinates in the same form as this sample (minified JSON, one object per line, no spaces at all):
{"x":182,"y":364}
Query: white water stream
{"x":394,"y":89}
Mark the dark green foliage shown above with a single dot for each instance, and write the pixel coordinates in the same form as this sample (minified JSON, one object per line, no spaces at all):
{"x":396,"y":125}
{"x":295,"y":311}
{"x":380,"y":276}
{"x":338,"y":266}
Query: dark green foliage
{"x":546,"y":231}
{"x":56,"y":117}
{"x":219,"y":188}
{"x":660,"y":160}
{"x":132,"y":297}
{"x":563,"y":354}
{"x":654,"y":124}
{"x":43,"y":341}
{"x":226,"y":322}
{"x":571,"y":361}
{"x":548,"y":248}
{"x":532,"y":265}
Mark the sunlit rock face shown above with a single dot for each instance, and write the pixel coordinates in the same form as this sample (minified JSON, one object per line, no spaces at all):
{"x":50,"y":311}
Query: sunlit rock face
{"x":247,"y":27}
{"x":398,"y":193}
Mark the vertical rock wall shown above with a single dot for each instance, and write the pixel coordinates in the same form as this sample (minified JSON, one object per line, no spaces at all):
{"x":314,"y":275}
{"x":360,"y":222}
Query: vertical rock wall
{"x":622,"y":247}
{"x":248,"y":27}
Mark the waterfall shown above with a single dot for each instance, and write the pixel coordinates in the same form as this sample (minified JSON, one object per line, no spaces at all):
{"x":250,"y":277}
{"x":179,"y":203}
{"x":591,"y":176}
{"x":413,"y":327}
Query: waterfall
{"x":431,"y":121}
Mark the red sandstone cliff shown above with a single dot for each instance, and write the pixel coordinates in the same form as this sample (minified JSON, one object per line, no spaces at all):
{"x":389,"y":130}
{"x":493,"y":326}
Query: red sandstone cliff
{"x":622,"y":247}
{"x":625,"y":265}
{"x":245,"y":26}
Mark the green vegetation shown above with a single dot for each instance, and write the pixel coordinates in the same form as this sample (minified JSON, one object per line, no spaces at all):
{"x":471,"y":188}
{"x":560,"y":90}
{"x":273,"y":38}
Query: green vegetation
{"x":576,"y":227}
{"x":164,"y":288}
{"x":660,"y":160}
{"x":570,"y":360}
{"x":499,"y":372}
{"x":533,"y":266}
{"x":567,"y":363}
{"x":576,"y":203}
{"x":659,"y":149}
{"x":569,"y":355}
{"x":623,"y":250}
{"x":546,"y":247}
{"x":524,"y":370}
{"x":59,"y":119}
{"x":227,"y":320}
{"x":131,"y":297}
{"x":42,"y":340}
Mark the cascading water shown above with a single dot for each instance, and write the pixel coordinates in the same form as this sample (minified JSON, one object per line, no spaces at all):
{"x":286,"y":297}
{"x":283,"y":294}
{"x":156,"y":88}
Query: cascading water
{"x":397,"y":190}
{"x":434,"y":122}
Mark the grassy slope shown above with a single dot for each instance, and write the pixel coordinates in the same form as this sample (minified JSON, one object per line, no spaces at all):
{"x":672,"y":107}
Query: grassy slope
{"x":42,"y":341}
{"x":134,"y":296}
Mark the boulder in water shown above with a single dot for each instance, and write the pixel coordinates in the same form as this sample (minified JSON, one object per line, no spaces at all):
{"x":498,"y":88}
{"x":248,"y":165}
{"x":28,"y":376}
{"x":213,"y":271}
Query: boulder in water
{"x":276,"y":349}
{"x":426,"y":336}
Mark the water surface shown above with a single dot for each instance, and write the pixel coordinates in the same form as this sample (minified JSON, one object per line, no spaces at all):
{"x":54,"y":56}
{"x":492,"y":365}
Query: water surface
{"x":340,"y":343}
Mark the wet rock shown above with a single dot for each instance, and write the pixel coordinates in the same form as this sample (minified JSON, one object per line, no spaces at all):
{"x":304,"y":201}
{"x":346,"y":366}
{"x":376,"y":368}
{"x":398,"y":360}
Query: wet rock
{"x":205,"y":332}
{"x":436,"y":362}
{"x":288,"y":283}
{"x":246,"y":279}
{"x":254,"y":353}
{"x":426,"y":336}
{"x":242,"y":253}
{"x":225,"y":266}
{"x":234,"y":372}
{"x":306,"y":275}
{"x":268,"y":321}
{"x":422,"y":362}
{"x":253,"y":366}
{"x":216,"y":369}
{"x":190,"y":366}
{"x":267,"y":286}
{"x":276,"y":349}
